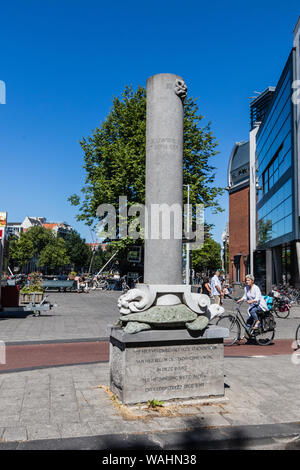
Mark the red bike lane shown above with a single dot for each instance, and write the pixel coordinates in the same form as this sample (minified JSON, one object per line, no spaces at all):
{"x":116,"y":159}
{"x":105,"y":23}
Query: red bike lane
{"x":31,"y":356}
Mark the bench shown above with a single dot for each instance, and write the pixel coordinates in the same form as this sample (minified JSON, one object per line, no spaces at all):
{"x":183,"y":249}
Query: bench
{"x":59,"y":285}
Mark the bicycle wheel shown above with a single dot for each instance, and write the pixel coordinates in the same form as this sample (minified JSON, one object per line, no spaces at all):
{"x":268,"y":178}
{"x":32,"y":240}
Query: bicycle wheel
{"x":230,"y":322}
{"x":104,"y":285}
{"x":298,"y":337}
{"x":280,"y":314}
{"x":262,"y":337}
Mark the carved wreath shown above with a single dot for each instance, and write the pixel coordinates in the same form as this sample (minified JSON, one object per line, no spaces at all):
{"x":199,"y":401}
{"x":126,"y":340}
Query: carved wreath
{"x":180,"y":88}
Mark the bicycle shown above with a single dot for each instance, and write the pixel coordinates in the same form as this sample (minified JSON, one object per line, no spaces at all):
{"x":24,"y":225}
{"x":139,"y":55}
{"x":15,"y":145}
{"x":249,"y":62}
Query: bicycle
{"x":281,"y":304}
{"x":263,"y":335}
{"x":298,"y":337}
{"x":100,"y":283}
{"x":125,"y":286}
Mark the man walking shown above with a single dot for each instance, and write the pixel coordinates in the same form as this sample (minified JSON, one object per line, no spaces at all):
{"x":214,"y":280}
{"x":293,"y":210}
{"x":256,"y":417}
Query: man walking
{"x":216,"y":288}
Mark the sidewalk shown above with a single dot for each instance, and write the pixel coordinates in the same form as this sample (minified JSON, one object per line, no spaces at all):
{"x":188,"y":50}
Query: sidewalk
{"x":70,"y":407}
{"x":71,"y":402}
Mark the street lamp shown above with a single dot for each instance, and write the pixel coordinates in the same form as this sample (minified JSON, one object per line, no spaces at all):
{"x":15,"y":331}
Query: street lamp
{"x":187,"y":265}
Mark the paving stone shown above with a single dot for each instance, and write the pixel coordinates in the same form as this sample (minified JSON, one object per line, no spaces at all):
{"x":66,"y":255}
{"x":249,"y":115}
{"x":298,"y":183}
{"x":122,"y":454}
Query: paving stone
{"x":64,"y":417}
{"x":38,"y":416}
{"x":44,"y":431}
{"x":75,"y":429}
{"x":30,"y":404}
{"x":15,"y":433}
{"x":9,"y":420}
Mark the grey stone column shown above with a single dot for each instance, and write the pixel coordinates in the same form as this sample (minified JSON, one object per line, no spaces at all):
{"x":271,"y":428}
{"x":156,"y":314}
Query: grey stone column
{"x":164,"y":173}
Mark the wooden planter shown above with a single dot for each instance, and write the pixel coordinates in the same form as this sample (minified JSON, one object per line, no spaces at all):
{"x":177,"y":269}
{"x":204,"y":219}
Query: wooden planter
{"x":28,"y":298}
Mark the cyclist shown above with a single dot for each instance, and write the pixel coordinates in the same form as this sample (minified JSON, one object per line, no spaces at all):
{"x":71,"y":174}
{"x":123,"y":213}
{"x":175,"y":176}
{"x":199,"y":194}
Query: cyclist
{"x":257,"y":303}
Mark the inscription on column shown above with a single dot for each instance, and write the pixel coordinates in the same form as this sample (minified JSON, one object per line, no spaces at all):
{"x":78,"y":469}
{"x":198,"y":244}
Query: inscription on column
{"x":186,"y":371}
{"x":167,"y":144}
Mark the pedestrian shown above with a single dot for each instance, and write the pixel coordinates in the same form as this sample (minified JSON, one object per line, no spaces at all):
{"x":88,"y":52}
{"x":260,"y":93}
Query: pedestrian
{"x":216,"y":288}
{"x":252,"y":295}
{"x":77,"y":280}
{"x":205,"y":287}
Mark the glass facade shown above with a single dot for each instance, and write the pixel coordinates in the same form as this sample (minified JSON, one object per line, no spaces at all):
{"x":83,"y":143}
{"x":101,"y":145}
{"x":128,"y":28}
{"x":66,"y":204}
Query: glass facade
{"x":274,"y":161}
{"x":275,"y":216}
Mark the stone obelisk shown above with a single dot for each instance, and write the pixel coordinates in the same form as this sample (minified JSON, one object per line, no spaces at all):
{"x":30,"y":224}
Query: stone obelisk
{"x":164,"y":173}
{"x":163,"y":325}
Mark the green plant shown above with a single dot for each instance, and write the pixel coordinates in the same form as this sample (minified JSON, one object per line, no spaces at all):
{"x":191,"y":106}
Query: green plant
{"x":32,"y":288}
{"x":154,"y":403}
{"x":35,"y":277}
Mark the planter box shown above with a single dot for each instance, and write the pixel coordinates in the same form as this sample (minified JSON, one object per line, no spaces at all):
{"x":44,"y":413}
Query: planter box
{"x":28,"y":298}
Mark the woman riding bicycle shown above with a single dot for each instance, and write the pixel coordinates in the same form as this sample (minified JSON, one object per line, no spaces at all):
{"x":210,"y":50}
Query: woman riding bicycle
{"x":253,"y":297}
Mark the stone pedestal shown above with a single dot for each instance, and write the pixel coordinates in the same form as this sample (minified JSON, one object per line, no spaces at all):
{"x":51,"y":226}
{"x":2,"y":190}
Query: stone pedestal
{"x":166,"y":364}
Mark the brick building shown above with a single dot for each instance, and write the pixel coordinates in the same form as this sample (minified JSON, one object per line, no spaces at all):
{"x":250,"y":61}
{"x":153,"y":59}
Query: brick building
{"x":239,"y":212}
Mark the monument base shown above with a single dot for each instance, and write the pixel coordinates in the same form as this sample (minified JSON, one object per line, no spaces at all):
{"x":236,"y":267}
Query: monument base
{"x":166,"y":364}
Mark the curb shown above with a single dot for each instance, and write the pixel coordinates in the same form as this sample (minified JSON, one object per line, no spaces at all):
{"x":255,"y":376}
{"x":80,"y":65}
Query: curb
{"x":286,"y":435}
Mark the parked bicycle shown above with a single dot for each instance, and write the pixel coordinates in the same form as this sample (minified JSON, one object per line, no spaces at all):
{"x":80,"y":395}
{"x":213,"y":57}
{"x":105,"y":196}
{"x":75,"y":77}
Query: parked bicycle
{"x":125,"y":286}
{"x":282,"y":303}
{"x":100,"y":283}
{"x":298,"y":337}
{"x":235,"y":322}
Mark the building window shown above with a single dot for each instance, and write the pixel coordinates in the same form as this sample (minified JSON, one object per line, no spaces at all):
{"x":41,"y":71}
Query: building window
{"x":275,"y":216}
{"x":276,"y":168}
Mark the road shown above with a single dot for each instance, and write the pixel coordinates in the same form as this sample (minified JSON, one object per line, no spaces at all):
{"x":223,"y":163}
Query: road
{"x":76,"y":331}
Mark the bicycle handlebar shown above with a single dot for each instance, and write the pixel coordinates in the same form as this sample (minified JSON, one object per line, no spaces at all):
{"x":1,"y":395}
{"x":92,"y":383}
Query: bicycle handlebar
{"x":232,"y":298}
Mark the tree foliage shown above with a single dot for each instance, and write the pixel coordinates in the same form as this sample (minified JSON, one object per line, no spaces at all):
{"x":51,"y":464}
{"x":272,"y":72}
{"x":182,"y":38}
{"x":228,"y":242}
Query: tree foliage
{"x":21,"y":250}
{"x":208,"y":258}
{"x":78,"y":251}
{"x":48,"y":250}
{"x":54,"y":254}
{"x":115,"y":154}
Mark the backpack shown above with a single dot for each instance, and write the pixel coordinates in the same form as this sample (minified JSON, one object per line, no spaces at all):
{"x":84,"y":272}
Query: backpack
{"x":269,"y":301}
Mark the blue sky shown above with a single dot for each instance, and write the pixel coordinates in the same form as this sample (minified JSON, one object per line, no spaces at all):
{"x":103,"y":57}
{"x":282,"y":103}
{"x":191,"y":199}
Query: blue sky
{"x":64,"y":60}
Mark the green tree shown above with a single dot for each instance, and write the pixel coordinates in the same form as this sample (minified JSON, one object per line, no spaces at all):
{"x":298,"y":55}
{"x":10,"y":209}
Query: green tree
{"x":21,"y":250}
{"x":54,"y":254}
{"x":115,"y":153}
{"x":39,"y":243}
{"x":77,"y":250}
{"x":101,"y":257}
{"x":208,"y":258}
{"x":40,"y":237}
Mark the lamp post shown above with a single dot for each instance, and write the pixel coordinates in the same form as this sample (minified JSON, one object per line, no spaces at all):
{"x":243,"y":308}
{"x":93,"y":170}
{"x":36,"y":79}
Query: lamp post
{"x":187,"y":265}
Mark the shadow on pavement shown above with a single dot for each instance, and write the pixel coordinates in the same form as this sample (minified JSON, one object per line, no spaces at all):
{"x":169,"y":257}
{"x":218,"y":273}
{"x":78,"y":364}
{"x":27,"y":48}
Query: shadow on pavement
{"x":15,"y":314}
{"x":197,"y":437}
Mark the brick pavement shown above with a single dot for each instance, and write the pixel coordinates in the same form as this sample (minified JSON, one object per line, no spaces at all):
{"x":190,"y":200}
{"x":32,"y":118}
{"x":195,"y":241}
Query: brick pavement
{"x":70,"y":401}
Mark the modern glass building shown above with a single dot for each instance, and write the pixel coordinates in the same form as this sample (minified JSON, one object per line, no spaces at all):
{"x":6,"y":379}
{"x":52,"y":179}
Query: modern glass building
{"x":276,"y":255}
{"x":274,"y":153}
{"x":273,"y":176}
